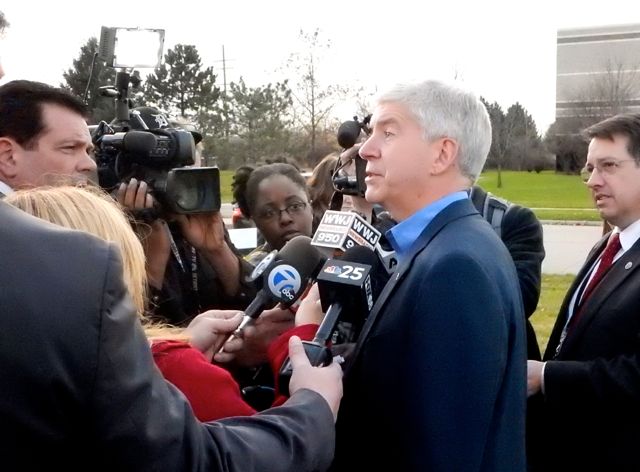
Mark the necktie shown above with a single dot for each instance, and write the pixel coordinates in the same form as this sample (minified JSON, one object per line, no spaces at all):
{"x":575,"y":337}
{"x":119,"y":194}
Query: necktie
{"x":606,"y":261}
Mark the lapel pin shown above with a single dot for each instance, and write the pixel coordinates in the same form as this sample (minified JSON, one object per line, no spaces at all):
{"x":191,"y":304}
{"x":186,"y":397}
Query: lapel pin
{"x":628,"y":265}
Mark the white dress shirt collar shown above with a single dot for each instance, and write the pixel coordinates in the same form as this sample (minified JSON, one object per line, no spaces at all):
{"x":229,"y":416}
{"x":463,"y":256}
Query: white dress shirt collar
{"x":629,"y":235}
{"x":5,"y":189}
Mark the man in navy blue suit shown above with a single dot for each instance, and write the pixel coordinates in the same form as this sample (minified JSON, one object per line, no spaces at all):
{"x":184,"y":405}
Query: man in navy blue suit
{"x":437,"y":381}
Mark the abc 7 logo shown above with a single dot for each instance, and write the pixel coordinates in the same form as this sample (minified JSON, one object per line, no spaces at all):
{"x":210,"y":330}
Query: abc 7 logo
{"x":285,"y":281}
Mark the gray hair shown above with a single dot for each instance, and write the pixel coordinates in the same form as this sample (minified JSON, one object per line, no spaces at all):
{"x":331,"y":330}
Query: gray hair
{"x":446,"y":111}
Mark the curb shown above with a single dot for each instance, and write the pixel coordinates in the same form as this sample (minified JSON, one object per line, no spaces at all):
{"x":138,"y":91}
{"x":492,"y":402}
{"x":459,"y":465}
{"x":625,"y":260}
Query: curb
{"x":571,"y":222}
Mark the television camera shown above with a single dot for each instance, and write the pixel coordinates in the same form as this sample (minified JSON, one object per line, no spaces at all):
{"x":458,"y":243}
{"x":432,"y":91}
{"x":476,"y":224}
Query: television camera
{"x":139,"y":143}
{"x":348,"y":134}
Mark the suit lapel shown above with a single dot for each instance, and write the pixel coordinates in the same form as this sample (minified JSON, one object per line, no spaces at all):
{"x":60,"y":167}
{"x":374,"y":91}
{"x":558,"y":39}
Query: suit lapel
{"x":454,"y":211}
{"x":563,"y":314}
{"x":616,"y":276}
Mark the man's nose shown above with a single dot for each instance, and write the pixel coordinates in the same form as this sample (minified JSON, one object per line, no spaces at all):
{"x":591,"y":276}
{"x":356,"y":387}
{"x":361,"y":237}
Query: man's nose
{"x":368,"y":149}
{"x":87,"y":164}
{"x":594,"y":179}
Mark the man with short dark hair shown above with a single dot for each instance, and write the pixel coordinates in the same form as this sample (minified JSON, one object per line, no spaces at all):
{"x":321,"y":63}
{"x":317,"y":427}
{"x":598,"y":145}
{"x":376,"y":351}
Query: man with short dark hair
{"x":44,"y":138}
{"x":590,"y":377}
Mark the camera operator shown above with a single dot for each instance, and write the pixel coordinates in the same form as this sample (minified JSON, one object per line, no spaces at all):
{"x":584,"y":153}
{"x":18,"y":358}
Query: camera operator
{"x":44,"y":138}
{"x":192,"y":265}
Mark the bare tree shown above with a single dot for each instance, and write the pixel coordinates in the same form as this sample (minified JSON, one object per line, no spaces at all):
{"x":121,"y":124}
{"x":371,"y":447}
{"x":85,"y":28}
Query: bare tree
{"x":614,"y":89}
{"x":608,"y":93}
{"x":313,"y":100}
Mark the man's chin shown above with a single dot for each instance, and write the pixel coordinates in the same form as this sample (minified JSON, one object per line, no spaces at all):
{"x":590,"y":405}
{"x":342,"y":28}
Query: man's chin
{"x":68,"y":180}
{"x":372,"y":196}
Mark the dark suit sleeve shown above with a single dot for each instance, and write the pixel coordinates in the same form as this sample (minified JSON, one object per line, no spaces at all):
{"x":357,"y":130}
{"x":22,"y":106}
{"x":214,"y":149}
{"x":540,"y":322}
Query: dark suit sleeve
{"x":143,"y":423}
{"x":612,"y":382}
{"x":522,"y":234}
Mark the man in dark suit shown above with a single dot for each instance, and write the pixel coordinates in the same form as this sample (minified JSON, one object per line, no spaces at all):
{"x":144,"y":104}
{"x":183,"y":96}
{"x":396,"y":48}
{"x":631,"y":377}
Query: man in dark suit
{"x":437,"y":379}
{"x":44,"y":138}
{"x":590,"y":377}
{"x":79,"y":386}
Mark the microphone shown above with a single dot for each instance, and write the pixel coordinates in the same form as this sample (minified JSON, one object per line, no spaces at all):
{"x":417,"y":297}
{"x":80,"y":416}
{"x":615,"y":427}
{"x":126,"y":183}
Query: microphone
{"x":339,"y":231}
{"x":348,"y":133}
{"x":348,"y":288}
{"x":347,"y":294}
{"x":284,"y":277}
{"x":383,"y":223}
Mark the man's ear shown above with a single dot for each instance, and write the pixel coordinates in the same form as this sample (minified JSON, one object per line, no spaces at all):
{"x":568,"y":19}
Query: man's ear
{"x":8,"y":163}
{"x":447,"y":155}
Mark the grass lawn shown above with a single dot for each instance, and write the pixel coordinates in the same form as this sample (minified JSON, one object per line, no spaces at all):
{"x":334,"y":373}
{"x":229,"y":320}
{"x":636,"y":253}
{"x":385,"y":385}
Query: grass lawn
{"x":551,"y":196}
{"x":226,"y":177}
{"x":554,"y":288}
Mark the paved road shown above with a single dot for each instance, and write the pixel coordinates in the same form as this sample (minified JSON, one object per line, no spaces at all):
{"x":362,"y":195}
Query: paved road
{"x":566,"y":245}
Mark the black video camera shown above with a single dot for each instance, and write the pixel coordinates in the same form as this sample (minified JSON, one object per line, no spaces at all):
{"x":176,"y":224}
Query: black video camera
{"x":133,"y":147}
{"x":348,"y":134}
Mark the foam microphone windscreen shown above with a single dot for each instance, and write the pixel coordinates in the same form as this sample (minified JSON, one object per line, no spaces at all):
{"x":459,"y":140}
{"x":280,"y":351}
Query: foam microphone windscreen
{"x":302,"y":255}
{"x":364,"y":255}
{"x":361,"y":255}
{"x":348,"y":134}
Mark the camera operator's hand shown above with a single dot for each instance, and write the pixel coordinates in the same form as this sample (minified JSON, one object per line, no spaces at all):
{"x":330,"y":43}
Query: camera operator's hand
{"x":157,"y":241}
{"x":205,"y":232}
{"x":251,"y":349}
{"x":347,"y":157}
{"x":354,"y":203}
{"x":209,"y":329}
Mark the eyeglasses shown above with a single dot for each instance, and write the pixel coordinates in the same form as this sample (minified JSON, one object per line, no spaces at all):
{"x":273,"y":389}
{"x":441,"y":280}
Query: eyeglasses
{"x":604,"y":167}
{"x":292,"y":209}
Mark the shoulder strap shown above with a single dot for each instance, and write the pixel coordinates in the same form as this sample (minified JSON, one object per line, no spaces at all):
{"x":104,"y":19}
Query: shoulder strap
{"x":491,"y":208}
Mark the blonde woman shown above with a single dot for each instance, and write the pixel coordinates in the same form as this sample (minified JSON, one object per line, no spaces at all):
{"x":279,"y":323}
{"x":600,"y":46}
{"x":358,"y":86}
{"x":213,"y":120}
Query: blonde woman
{"x":184,"y":357}
{"x":92,"y":211}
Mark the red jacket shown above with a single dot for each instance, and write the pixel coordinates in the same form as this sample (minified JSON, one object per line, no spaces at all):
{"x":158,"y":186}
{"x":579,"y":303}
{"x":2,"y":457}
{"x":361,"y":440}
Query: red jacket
{"x":211,"y":390}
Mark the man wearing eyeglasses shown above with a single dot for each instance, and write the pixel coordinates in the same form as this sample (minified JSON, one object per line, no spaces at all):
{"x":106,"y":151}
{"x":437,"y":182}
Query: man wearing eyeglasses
{"x":590,"y":376}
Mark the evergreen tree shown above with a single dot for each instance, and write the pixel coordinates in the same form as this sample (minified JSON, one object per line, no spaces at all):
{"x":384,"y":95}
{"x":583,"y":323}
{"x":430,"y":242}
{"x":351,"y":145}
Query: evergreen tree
{"x":259,"y":124}
{"x":181,"y":86}
{"x":86,"y":66}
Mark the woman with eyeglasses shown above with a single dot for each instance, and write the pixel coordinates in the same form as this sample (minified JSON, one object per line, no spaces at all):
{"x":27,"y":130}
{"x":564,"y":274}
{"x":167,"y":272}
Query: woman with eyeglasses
{"x":276,"y":197}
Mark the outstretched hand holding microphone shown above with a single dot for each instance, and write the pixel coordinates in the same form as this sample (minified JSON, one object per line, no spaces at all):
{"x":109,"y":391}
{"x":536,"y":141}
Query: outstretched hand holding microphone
{"x":283,"y":277}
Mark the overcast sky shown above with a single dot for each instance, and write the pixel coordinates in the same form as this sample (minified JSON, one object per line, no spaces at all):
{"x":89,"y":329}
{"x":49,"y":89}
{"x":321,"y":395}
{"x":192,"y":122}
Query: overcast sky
{"x":503,"y":50}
